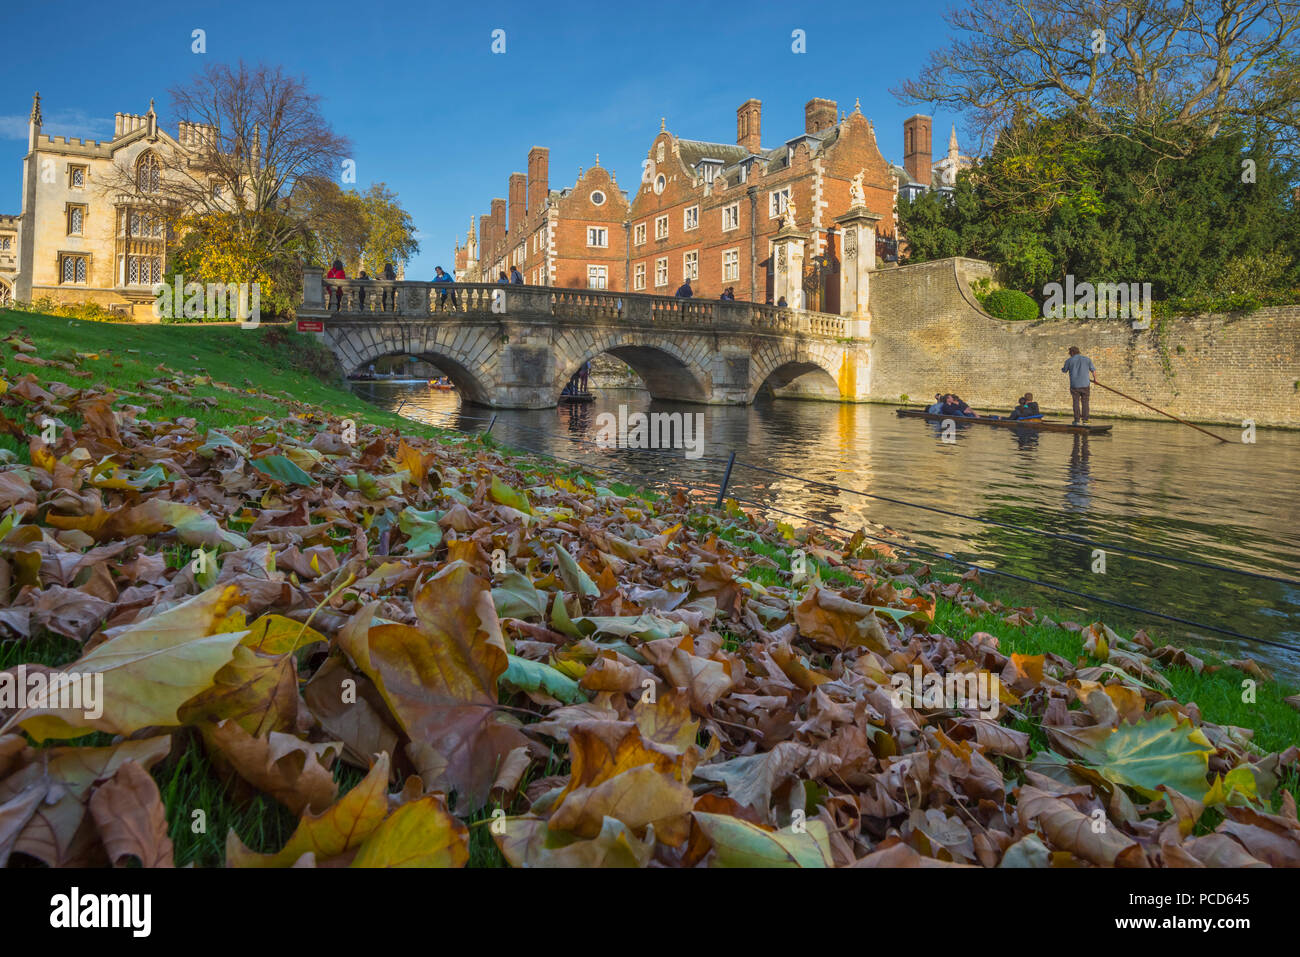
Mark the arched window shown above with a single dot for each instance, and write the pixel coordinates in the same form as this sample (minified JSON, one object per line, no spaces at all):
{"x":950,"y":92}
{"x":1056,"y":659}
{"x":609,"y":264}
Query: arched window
{"x":146,"y":173}
{"x":4,"y":294}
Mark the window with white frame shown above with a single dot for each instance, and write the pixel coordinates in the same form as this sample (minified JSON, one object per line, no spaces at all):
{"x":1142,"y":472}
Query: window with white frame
{"x":638,"y":276}
{"x":691,"y":218}
{"x":730,"y":264}
{"x":638,"y":234}
{"x":691,"y":264}
{"x":661,"y":271}
{"x":730,"y":217}
{"x":777,"y":201}
{"x":598,"y":236}
{"x":73,"y":269}
{"x":661,"y":227}
{"x":597,"y":277}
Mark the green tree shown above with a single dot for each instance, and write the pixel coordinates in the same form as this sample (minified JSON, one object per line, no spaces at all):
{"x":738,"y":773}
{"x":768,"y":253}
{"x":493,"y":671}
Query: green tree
{"x":390,"y":231}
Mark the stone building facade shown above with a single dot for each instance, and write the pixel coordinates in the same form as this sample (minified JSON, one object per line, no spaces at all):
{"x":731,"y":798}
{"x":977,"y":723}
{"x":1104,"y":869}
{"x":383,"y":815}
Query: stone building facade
{"x":80,"y":236}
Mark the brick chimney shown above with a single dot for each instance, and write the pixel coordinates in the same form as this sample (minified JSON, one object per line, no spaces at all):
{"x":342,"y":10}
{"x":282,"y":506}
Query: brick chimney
{"x":518,"y":192}
{"x":749,"y":120}
{"x":818,"y":115}
{"x":498,"y":225}
{"x":538,"y":177}
{"x":917,"y":152}
{"x":484,"y":235}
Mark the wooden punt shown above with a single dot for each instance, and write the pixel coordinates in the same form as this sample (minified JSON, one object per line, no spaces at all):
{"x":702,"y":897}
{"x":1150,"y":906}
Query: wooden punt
{"x":1038,"y":425}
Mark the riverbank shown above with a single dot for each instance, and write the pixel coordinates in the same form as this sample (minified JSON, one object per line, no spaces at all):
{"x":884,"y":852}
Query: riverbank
{"x":477,"y":595}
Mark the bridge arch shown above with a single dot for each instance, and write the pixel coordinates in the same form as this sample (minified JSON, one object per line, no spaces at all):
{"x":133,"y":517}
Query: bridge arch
{"x":815,"y":365}
{"x":468,"y":355}
{"x":669,"y":368}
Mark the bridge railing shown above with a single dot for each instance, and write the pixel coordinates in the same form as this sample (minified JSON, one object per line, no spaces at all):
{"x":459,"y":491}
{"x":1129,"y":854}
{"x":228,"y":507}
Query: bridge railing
{"x":388,"y":300}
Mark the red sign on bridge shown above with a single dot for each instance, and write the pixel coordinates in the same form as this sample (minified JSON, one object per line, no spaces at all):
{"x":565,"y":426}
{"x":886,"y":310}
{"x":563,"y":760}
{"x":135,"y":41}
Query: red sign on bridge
{"x":311,"y":325}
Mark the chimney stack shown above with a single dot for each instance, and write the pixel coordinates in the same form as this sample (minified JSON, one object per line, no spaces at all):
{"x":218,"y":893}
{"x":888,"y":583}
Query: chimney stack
{"x":518,"y":192}
{"x":538,"y":173}
{"x":818,"y":115}
{"x":917,"y":152}
{"x":749,"y":119}
{"x":498,"y":226}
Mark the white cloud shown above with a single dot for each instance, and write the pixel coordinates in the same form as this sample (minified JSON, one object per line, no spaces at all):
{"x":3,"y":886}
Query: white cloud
{"x":74,"y":123}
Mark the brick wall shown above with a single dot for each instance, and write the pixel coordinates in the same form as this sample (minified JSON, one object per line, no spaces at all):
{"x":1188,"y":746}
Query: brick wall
{"x":929,"y":335}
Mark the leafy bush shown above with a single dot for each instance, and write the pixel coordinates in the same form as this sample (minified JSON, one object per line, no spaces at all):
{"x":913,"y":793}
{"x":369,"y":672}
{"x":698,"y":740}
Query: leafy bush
{"x":90,"y":311}
{"x":1011,"y":304}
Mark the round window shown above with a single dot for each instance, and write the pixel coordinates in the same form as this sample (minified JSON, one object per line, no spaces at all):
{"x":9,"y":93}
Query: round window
{"x":598,"y":198}
{"x":659,"y":183}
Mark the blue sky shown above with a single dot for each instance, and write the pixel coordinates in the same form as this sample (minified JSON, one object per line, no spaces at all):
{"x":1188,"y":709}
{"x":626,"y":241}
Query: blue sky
{"x":432,"y":112}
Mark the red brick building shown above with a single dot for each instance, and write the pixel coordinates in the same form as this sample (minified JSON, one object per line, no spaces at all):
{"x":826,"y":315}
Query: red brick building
{"x":703,"y":211}
{"x":572,"y":237}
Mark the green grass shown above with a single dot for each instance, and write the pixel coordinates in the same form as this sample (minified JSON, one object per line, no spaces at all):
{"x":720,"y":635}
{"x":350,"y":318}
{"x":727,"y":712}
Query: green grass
{"x":273,"y":363}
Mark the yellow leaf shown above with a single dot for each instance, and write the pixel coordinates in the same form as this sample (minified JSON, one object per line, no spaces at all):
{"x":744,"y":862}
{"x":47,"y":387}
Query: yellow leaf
{"x":418,"y":834}
{"x":343,"y":827}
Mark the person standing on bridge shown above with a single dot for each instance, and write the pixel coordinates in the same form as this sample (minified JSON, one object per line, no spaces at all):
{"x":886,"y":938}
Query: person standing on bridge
{"x":502,"y":277}
{"x":684,"y":290}
{"x":336,"y":292}
{"x":516,"y":277}
{"x":1082,"y":375}
{"x":440,"y":278}
{"x":390,"y":276}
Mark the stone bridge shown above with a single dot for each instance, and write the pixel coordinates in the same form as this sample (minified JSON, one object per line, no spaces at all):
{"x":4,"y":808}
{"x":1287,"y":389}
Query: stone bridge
{"x":513,"y":346}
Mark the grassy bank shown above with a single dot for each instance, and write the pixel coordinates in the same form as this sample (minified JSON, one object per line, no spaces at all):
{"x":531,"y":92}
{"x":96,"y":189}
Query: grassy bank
{"x":225,"y":377}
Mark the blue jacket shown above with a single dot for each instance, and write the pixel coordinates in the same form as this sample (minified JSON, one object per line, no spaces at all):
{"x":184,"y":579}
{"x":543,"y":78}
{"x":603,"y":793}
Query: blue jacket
{"x":684,"y":291}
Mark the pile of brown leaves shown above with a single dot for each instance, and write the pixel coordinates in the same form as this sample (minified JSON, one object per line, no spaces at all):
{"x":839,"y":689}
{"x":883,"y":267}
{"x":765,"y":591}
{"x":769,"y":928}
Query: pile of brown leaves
{"x":592,"y":677}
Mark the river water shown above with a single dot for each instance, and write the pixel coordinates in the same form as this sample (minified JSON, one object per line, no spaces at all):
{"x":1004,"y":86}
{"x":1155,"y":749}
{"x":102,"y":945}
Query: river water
{"x":1148,"y":486}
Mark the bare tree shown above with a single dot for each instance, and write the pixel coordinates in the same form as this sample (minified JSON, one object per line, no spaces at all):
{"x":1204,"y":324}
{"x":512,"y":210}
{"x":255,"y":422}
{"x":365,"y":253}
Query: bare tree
{"x":1172,"y":70}
{"x":250,"y":140}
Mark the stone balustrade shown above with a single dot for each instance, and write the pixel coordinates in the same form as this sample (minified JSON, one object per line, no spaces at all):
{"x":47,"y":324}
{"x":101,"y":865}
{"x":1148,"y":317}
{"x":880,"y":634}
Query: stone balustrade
{"x":385,"y":300}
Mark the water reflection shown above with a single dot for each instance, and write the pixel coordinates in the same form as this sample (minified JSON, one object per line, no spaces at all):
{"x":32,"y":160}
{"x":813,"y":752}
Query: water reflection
{"x":1146,"y":485}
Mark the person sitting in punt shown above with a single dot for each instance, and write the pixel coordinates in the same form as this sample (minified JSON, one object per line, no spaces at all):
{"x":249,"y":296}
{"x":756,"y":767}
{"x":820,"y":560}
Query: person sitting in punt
{"x":934,"y":408}
{"x":953,"y":405}
{"x":1026,"y":408}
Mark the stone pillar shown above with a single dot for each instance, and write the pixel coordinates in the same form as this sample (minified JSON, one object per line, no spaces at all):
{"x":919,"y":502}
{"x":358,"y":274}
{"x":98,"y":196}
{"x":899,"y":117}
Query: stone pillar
{"x":788,"y":247}
{"x":313,"y":290}
{"x":859,"y":259}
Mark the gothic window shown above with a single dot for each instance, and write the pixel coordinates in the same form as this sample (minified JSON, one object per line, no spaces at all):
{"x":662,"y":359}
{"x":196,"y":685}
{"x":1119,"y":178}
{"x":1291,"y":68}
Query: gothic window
{"x":77,"y":177}
{"x":76,"y":220}
{"x":147,"y":173}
